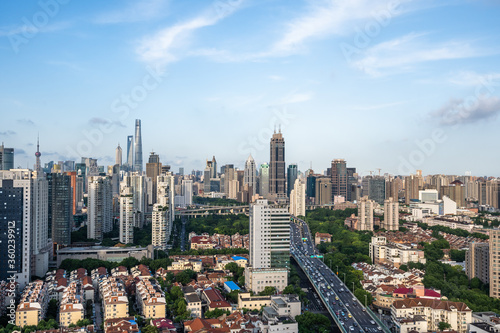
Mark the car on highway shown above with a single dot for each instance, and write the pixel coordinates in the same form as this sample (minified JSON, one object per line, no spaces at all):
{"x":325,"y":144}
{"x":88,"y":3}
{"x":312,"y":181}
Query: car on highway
{"x":351,"y":328}
{"x":372,"y":322}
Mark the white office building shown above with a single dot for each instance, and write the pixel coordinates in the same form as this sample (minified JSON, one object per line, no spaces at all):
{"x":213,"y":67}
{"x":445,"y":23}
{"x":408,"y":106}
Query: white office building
{"x":100,"y":207}
{"x":298,"y":199}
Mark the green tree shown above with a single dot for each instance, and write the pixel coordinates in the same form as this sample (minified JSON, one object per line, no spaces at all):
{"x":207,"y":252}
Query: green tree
{"x":268,"y":291}
{"x":149,"y":329}
{"x":443,"y":325}
{"x":186,"y":276}
{"x":313,"y":323}
{"x":216,"y":313}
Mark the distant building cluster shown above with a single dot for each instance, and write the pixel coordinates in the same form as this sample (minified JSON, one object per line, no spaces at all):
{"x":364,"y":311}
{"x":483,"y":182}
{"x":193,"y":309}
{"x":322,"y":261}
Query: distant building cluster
{"x":218,"y":241}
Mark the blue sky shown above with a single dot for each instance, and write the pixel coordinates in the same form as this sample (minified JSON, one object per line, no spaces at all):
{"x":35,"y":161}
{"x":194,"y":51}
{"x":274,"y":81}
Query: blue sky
{"x":396,"y":85}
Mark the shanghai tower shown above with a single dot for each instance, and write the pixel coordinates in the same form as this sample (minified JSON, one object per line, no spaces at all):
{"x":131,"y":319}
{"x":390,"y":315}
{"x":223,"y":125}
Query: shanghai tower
{"x":138,"y":146}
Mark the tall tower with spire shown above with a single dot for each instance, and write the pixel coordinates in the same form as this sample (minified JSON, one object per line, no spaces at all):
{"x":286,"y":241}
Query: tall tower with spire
{"x":38,"y":163}
{"x":138,"y":146}
{"x":118,"y":155}
{"x":277,"y":166}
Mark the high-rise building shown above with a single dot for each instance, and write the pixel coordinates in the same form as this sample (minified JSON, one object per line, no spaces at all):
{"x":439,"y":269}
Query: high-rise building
{"x":118,"y":155}
{"x":229,"y":175}
{"x":127,"y":215}
{"x":264,"y":180}
{"x":138,"y":146}
{"x":250,"y":175}
{"x":166,"y":199}
{"x":269,"y":247}
{"x":269,"y":236}
{"x":323,"y":195}
{"x":277,"y":179}
{"x":153,"y":170}
{"x":60,"y":208}
{"x":138,"y":183}
{"x":100,"y":207}
{"x":291,"y":176}
{"x":130,"y":153}
{"x":365,"y":214}
{"x":377,"y":189}
{"x":24,"y":210}
{"x":477,"y":262}
{"x":494,"y":245}
{"x":213,"y":168}
{"x":159,"y":227}
{"x":339,"y":178}
{"x":187,"y":191}
{"x":311,"y":184}
{"x":352,"y":185}
{"x":6,"y":158}
{"x":412,"y":186}
{"x":298,"y":199}
{"x":391,"y":215}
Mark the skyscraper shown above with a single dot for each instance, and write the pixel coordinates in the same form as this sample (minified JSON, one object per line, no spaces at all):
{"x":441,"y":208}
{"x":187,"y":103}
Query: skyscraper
{"x":264,"y":180}
{"x":376,"y":190}
{"x":391,"y":215}
{"x":339,"y":178}
{"x":138,"y":146}
{"x":269,"y":247}
{"x":127,"y":215}
{"x":494,"y":248}
{"x":269,"y":236}
{"x":130,"y":153}
{"x":298,"y":199}
{"x":24,"y":209}
{"x":291,"y":176}
{"x":100,"y":207}
{"x":153,"y":170}
{"x":277,"y":166}
{"x":159,"y":227}
{"x":118,"y":155}
{"x":365,"y":214}
{"x":250,"y":176}
{"x":166,"y":199}
{"x":60,"y":208}
{"x":6,"y":158}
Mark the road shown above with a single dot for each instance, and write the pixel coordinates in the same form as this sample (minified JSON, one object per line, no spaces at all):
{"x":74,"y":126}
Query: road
{"x":349,"y":312}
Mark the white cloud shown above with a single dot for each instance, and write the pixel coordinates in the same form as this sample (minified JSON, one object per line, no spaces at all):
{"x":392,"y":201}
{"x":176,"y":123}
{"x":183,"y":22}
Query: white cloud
{"x":276,"y":77}
{"x":297,"y":97}
{"x":470,"y":78}
{"x":135,"y":11}
{"x":30,"y":30}
{"x":401,"y":54}
{"x":169,"y":44}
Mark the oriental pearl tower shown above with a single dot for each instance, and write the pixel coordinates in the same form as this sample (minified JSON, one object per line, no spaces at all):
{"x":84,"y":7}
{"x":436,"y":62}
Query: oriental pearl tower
{"x":38,"y":165}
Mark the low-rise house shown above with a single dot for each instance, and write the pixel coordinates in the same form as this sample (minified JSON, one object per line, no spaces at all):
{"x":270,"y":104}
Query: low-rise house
{"x":457,"y":314}
{"x":245,"y":301}
{"x":215,"y":300}
{"x":33,"y":304}
{"x":72,"y":307}
{"x":150,"y":299}
{"x":121,"y":325}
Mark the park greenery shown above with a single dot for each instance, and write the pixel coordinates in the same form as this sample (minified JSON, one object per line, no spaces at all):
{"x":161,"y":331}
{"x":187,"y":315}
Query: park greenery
{"x":216,"y":201}
{"x":216,"y":313}
{"x":457,"y":232}
{"x":219,"y":224}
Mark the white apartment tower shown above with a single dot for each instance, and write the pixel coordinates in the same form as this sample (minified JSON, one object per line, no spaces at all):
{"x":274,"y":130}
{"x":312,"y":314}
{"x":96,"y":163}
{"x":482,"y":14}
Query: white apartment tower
{"x":127,"y":215}
{"x":165,"y":198}
{"x":365,"y":214}
{"x":159,"y":225}
{"x":269,"y":236}
{"x":100,"y":207}
{"x":391,"y":215}
{"x":298,"y":199}
{"x":250,"y":174}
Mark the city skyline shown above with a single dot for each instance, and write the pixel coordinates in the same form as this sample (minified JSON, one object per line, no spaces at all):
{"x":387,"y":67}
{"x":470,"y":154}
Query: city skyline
{"x":342,"y":80}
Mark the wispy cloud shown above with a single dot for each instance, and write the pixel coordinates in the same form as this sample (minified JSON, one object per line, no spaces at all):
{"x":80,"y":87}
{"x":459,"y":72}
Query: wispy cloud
{"x":169,"y":44}
{"x":7,"y":133}
{"x":457,"y":111}
{"x":402,"y":54}
{"x":25,"y":121}
{"x":134,"y":11}
{"x":25,"y":29}
{"x":377,"y":106}
{"x":297,"y":97}
{"x":102,"y":121}
{"x":276,"y":77}
{"x":470,"y":78}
